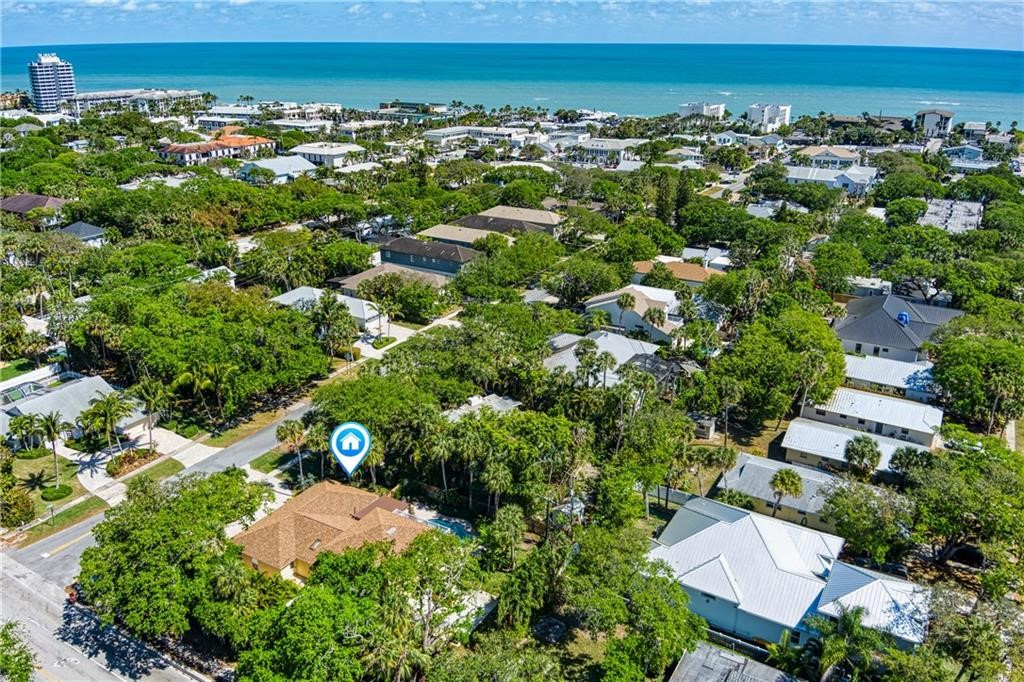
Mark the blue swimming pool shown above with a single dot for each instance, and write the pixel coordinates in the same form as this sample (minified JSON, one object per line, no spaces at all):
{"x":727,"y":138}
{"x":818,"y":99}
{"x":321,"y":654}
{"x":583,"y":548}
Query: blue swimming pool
{"x":454,"y":526}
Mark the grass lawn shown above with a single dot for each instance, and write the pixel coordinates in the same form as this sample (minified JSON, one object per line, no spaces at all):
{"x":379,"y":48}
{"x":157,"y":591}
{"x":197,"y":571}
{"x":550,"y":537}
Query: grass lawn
{"x":581,"y":655}
{"x":258,"y":421}
{"x":416,"y":326}
{"x":90,"y":506}
{"x":35,"y":474}
{"x":383,"y":341}
{"x":269,"y":461}
{"x":160,"y":471}
{"x":11,"y":369}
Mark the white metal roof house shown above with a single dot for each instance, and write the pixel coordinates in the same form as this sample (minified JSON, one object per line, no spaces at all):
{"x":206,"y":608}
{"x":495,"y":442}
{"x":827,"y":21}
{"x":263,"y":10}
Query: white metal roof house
{"x":755,"y":577}
{"x":622,"y":348}
{"x":747,"y":574}
{"x":856,"y":180}
{"x":492,"y":401}
{"x":911,"y":380}
{"x":892,"y":605}
{"x":328,"y":154}
{"x":753,"y":475}
{"x":812,"y":443}
{"x":284,"y":168}
{"x":645,"y":298}
{"x":879,"y":414}
{"x":366,"y":313}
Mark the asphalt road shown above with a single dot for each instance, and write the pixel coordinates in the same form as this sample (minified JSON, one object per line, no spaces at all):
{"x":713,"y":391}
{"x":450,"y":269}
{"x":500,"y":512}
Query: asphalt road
{"x":70,"y":643}
{"x":57,"y":557}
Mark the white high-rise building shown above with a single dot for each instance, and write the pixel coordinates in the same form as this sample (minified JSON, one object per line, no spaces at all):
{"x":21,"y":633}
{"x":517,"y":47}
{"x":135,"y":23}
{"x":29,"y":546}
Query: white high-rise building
{"x":52,"y":79}
{"x":702,"y":109}
{"x":768,"y":117}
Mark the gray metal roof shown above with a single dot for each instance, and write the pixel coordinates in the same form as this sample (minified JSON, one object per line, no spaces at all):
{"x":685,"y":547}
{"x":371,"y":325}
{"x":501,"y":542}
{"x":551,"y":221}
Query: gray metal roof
{"x":708,"y":663}
{"x":622,"y":348}
{"x":498,"y":403}
{"x":83,"y":231}
{"x":874,"y":320}
{"x":753,"y":475}
{"x":70,"y":399}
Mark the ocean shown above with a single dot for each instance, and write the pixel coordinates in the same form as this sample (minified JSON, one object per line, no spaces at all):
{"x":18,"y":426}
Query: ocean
{"x":977,"y":85}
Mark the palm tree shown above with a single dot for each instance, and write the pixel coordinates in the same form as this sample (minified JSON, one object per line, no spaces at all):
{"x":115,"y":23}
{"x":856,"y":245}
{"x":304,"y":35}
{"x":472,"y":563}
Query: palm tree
{"x":844,"y":646}
{"x":318,"y":440}
{"x":605,"y":361}
{"x":104,"y":413}
{"x":730,"y":392}
{"x":389,"y":309}
{"x":52,"y":426}
{"x":626,"y":301}
{"x":291,"y":434}
{"x":597,"y":319}
{"x":24,"y":427}
{"x":497,"y":477}
{"x":217,"y":374}
{"x":786,"y":482}
{"x":197,"y":383}
{"x":332,"y":318}
{"x":155,"y":398}
{"x":655,"y":317}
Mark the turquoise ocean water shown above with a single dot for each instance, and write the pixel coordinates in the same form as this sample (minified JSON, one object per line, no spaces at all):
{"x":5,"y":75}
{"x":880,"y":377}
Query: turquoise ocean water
{"x":628,"y":79}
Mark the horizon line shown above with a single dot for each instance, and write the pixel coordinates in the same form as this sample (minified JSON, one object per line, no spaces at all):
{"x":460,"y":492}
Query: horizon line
{"x":480,"y":42}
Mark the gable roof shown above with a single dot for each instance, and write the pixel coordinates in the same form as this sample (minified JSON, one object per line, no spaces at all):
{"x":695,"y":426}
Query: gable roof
{"x":906,"y":376}
{"x":70,"y":399}
{"x":529,"y":215}
{"x":622,"y":348}
{"x":456,"y":233}
{"x":83,"y":231}
{"x":435,"y":280}
{"x":753,"y":475}
{"x":829,"y":441}
{"x":439,"y":250}
{"x":23,"y":203}
{"x":830,"y":150}
{"x":301,"y":297}
{"x":892,"y":605}
{"x":681,"y":270}
{"x":282,"y":165}
{"x":873,"y":320}
{"x":499,"y":224}
{"x":773,"y":569}
{"x":328,"y":516}
{"x":884,"y":409}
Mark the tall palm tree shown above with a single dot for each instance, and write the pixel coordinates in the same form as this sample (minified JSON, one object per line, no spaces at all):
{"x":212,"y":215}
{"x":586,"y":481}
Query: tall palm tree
{"x":155,"y":398}
{"x":655,"y":317}
{"x":730,"y":392}
{"x":291,"y":434}
{"x":785,"y":482}
{"x":597,"y":319}
{"x":195,"y":380}
{"x":389,"y":309}
{"x":605,"y":361}
{"x":318,"y":440}
{"x":331,"y":317}
{"x":625,"y":302}
{"x":104,"y":413}
{"x":218,"y":373}
{"x":52,"y":426}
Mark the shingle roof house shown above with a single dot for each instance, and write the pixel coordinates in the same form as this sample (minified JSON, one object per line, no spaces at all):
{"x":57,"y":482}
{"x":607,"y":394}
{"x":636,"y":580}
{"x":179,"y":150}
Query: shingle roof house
{"x":890,"y":326}
{"x":21,"y":204}
{"x":433,"y":256}
{"x":328,"y":516}
{"x":513,"y":219}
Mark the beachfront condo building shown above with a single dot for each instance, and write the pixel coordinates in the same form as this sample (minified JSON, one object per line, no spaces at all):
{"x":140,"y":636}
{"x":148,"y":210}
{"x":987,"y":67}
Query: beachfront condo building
{"x":147,"y":101}
{"x":52,"y":79}
{"x":702,"y":109}
{"x":768,"y":117}
{"x":934,"y":122}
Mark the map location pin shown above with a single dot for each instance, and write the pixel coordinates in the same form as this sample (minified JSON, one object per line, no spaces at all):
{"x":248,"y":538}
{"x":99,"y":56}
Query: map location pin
{"x":350,"y":443}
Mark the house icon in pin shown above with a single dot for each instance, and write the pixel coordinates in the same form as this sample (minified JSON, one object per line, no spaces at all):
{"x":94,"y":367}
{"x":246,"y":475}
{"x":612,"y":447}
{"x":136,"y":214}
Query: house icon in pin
{"x":351,"y":443}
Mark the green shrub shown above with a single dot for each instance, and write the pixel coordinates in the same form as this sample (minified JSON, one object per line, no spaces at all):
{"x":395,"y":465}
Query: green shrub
{"x":350,"y":353}
{"x":56,"y":492}
{"x":128,"y":460}
{"x":32,"y":453}
{"x":383,"y":341}
{"x":16,"y":508}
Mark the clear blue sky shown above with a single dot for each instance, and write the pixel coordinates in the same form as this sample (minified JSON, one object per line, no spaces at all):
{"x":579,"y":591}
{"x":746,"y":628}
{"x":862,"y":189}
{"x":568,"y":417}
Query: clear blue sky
{"x":993,"y":24}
